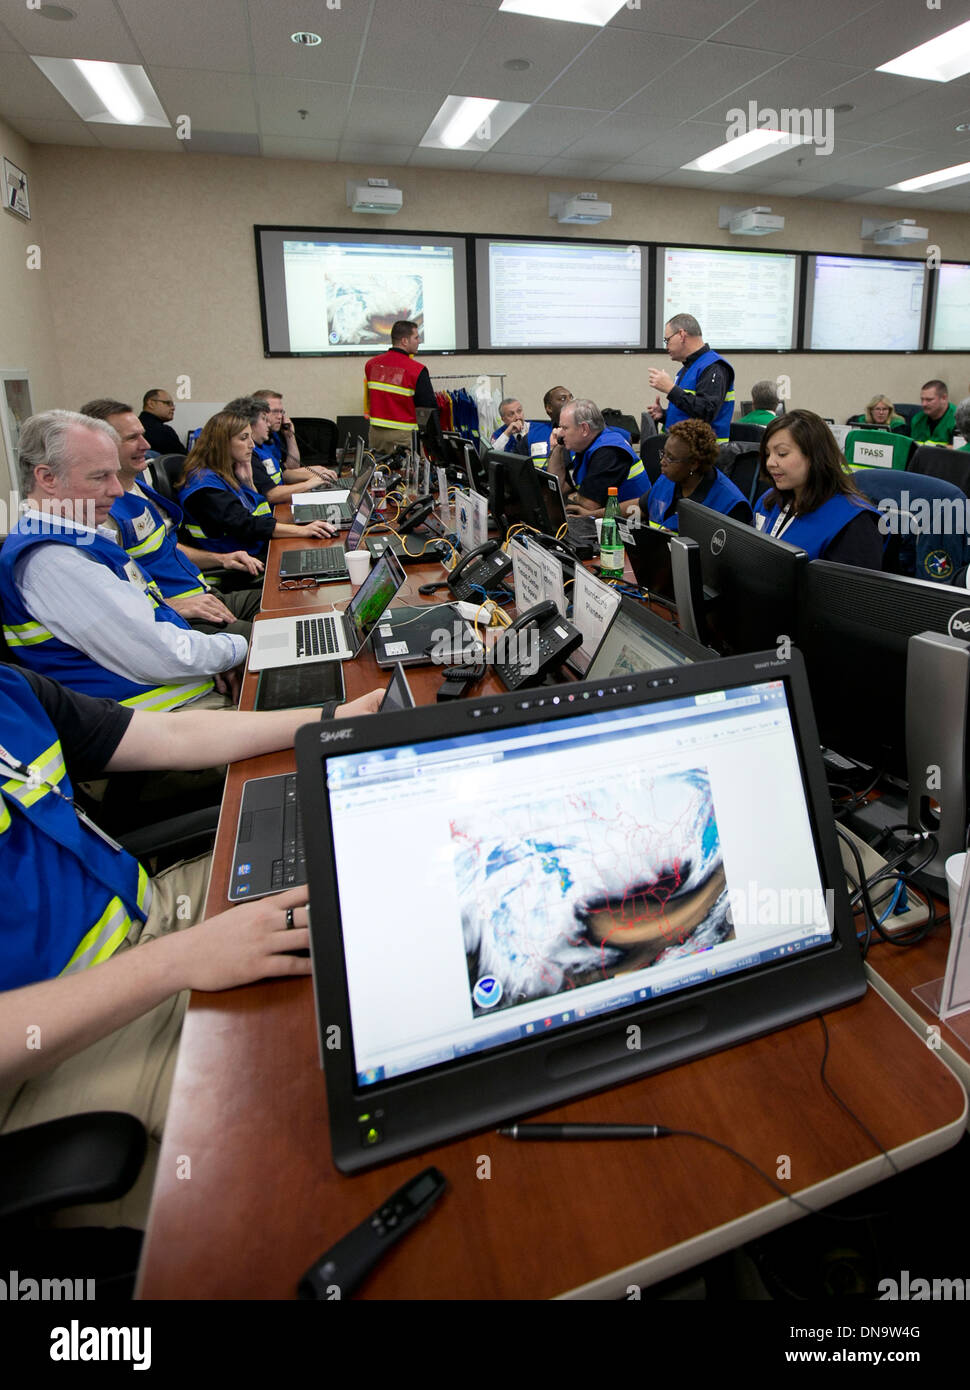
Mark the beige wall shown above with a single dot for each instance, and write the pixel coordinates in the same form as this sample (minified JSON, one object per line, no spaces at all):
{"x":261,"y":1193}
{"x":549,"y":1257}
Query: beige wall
{"x":152,"y":263}
{"x":26,"y":326}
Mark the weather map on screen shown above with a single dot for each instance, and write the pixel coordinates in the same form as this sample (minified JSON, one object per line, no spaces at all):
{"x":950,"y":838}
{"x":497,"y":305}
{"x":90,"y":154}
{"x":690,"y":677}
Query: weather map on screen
{"x":858,"y":304}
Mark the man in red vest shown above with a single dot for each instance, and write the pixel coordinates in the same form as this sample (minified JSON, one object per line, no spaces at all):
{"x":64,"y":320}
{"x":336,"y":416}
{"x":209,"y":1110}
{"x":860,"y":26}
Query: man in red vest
{"x":398,"y":396}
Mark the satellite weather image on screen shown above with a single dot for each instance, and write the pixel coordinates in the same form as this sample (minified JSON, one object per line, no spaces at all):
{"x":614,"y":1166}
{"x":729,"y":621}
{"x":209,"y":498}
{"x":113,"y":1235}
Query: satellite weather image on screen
{"x":555,"y":896}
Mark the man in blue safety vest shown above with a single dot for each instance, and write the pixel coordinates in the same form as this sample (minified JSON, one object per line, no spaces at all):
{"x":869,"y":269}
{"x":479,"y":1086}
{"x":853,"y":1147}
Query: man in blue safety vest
{"x":703,"y":388}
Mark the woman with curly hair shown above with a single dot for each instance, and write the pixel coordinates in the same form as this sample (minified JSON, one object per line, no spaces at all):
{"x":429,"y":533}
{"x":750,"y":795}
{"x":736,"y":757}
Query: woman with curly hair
{"x":688,"y":466}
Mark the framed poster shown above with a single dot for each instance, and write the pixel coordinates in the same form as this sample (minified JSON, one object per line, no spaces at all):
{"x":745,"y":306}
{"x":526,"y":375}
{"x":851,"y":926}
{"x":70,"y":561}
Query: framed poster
{"x":15,"y":408}
{"x":15,"y":195}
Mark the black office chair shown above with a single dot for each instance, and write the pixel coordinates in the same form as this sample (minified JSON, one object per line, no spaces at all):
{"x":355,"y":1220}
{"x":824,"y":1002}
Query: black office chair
{"x":856,"y":420}
{"x":316,"y":439}
{"x":73,"y":1161}
{"x":619,"y":420}
{"x":350,"y":428}
{"x":952,"y":465}
{"x":912,"y":548}
{"x":742,"y":464}
{"x":650,"y":451}
{"x":907,"y":409}
{"x":746,"y":433}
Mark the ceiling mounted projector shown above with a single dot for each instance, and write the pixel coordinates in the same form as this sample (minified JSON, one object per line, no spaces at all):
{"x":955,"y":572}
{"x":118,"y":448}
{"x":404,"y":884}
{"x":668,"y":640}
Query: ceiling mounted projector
{"x":376,"y":195}
{"x":749,"y":221}
{"x":901,"y":233}
{"x":584,"y":208}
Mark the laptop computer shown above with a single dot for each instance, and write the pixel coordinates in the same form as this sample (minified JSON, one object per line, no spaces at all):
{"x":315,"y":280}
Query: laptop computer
{"x":570,"y":864}
{"x":327,"y":562}
{"x":434,"y":634}
{"x":638,"y":640}
{"x":270,"y":852}
{"x":329,"y":636}
{"x":339,"y":508}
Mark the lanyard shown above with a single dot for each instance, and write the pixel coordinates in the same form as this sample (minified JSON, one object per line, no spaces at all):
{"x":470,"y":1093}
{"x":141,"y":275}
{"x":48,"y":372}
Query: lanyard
{"x":782,"y":523}
{"x":11,"y":767}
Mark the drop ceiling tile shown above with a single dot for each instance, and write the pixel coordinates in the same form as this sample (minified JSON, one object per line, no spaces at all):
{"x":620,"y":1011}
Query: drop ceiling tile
{"x":575,"y":169}
{"x":96,"y":32}
{"x":788,"y":188}
{"x":786,"y":26}
{"x":225,"y":142}
{"x":548,"y":47}
{"x":792,"y":84}
{"x":376,"y":154}
{"x":445,"y":159}
{"x":25,"y":91}
{"x":131,"y":137}
{"x":709,"y":74}
{"x":692,"y":19}
{"x":213,"y":36}
{"x":8,"y":44}
{"x":213,"y":101}
{"x":547,"y":130}
{"x":509,"y":163}
{"x":379,"y":114}
{"x":418,"y":45}
{"x":615,"y":66}
{"x":281,"y":99}
{"x":75,"y":132}
{"x":635,"y":173}
{"x":619,"y":137}
{"x":271,"y":22}
{"x":884,"y":32}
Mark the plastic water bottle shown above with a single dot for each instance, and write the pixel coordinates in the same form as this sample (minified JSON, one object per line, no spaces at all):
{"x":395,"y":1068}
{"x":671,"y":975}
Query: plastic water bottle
{"x":611,"y":547}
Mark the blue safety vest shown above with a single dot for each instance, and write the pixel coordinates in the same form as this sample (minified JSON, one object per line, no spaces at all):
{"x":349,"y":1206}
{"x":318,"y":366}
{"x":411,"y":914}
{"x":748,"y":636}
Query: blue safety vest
{"x":254,"y":503}
{"x":687,"y":379}
{"x":145,"y":538}
{"x":39,"y":649}
{"x":636,"y":481}
{"x":272,"y":461}
{"x":537,"y":440}
{"x":814,"y":531}
{"x":723,"y":496}
{"x":71,"y":898}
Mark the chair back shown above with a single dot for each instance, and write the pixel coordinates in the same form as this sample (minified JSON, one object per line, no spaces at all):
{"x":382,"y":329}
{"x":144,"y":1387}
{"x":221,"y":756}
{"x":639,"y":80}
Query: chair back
{"x":877,"y":449}
{"x":925,"y":521}
{"x":934,"y":461}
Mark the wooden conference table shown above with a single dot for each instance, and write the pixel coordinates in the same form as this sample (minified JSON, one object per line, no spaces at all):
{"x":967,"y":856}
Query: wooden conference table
{"x":264,"y":1200}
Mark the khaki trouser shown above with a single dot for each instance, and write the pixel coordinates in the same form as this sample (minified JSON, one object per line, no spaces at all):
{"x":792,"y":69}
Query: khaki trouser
{"x":383,"y":441}
{"x":131,"y":1069}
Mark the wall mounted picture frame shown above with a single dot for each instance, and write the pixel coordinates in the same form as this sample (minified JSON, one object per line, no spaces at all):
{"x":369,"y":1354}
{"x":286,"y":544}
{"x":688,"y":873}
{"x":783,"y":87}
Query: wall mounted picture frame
{"x":16,"y":197}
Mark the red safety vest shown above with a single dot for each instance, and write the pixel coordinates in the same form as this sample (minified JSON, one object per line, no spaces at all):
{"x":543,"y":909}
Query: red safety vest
{"x":389,"y":382}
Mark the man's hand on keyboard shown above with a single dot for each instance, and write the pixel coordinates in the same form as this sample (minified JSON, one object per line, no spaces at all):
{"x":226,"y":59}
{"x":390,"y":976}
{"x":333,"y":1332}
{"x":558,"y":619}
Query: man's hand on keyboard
{"x":241,"y":560}
{"x":245,"y":944}
{"x":321,"y":529}
{"x":364,"y":704}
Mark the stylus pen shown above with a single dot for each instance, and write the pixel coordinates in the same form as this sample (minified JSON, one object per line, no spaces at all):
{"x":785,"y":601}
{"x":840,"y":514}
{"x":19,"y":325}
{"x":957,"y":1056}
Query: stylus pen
{"x":585,"y":1132}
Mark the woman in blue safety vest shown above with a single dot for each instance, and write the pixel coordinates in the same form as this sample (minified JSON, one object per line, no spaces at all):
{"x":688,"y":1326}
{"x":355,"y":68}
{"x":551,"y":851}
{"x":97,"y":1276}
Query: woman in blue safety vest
{"x":223,"y":509}
{"x":814,"y":503}
{"x":688,"y":468}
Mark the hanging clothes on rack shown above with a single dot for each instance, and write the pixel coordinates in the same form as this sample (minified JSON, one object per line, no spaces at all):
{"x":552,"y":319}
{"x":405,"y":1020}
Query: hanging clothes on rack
{"x":473,"y":416}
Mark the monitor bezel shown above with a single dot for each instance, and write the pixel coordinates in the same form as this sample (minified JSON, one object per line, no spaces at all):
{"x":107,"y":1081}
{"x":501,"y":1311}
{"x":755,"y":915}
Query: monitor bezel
{"x":422,"y":1109}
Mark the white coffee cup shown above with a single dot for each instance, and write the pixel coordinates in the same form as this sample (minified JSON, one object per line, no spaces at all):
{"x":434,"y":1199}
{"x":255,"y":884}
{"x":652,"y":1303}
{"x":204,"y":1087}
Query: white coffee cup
{"x":956,"y":866}
{"x":358,"y":563}
{"x":599,"y":528}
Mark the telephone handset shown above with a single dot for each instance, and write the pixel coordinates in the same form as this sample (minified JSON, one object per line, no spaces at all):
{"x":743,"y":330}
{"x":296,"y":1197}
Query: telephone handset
{"x":561,"y":549}
{"x":413,"y":515}
{"x":534,"y":646}
{"x":482,"y":568}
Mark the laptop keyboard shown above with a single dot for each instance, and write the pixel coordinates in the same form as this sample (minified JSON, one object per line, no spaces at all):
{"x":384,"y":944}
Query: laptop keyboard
{"x":330,"y":561}
{"x":317,"y":637}
{"x":290,"y":871}
{"x":325,"y":511}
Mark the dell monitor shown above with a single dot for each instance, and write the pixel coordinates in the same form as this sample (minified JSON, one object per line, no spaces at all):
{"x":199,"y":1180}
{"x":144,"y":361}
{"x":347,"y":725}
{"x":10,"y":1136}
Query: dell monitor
{"x":753,"y":579}
{"x":650,"y":857}
{"x":518,"y":496}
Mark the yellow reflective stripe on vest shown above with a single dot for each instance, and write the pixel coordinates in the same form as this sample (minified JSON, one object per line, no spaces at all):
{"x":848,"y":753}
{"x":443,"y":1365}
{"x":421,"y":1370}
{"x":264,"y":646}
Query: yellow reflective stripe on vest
{"x":4,"y":817}
{"x":165,"y":697}
{"x":196,"y":531}
{"x":110,"y":930}
{"x":49,"y":767}
{"x":149,"y":545}
{"x":391,"y":424}
{"x":394,"y":390}
{"x":635,"y":469}
{"x":263,"y":509}
{"x":186,"y":593}
{"x":25,"y":634}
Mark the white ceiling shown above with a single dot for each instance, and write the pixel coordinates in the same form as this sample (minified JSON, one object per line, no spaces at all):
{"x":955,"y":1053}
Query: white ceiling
{"x":632,"y":101}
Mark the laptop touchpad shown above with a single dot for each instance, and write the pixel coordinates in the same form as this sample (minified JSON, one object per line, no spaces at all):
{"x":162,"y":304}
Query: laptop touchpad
{"x":281,"y":639}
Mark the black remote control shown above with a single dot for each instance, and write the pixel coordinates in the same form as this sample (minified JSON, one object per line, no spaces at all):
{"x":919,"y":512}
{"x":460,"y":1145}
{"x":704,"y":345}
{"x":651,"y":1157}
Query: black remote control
{"x":341,"y":1270}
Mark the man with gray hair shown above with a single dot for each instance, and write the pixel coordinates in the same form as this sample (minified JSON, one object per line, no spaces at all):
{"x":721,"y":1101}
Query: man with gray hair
{"x":603,"y":458}
{"x":704,"y":386}
{"x":76,"y":607}
{"x":513,"y":435}
{"x":961,"y":426}
{"x":764,"y":402}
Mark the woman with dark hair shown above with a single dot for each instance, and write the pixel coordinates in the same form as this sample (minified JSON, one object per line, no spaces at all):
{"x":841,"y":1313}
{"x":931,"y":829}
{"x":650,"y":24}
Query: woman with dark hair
{"x":688,"y":467}
{"x":223,"y":508}
{"x":814,"y":503}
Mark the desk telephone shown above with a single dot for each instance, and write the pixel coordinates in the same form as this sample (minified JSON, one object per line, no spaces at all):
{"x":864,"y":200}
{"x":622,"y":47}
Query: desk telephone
{"x":412,"y":516}
{"x":482,"y":568}
{"x":534,"y":646}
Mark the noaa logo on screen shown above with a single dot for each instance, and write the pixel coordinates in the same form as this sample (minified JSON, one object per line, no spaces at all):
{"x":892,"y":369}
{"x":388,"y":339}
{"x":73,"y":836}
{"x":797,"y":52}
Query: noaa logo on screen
{"x":959,"y":624}
{"x":718,"y":541}
{"x":487,"y":992}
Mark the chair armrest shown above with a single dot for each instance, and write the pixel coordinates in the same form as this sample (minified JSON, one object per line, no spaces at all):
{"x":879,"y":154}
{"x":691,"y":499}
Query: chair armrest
{"x":177,"y":833}
{"x":78,"y":1159}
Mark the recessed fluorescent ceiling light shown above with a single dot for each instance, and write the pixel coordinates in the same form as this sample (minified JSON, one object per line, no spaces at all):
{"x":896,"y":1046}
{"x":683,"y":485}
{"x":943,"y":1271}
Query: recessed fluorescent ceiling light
{"x":573,"y":11}
{"x":471,"y":123}
{"x":941,"y":60}
{"x":105,"y":93}
{"x":940,"y":178}
{"x":746,"y":149}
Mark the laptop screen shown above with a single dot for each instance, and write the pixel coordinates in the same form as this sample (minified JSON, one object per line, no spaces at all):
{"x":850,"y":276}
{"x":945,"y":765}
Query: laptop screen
{"x":361,"y":519}
{"x":364,"y":610}
{"x":359,"y":486}
{"x":568,"y":869}
{"x":630,"y":645}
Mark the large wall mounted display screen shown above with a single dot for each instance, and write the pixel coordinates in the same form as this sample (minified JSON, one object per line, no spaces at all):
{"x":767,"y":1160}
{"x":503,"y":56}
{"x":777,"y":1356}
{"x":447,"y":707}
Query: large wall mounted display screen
{"x":326,"y":292}
{"x":742,"y":299}
{"x":865,"y":304}
{"x":950,"y":331}
{"x":561,"y":294}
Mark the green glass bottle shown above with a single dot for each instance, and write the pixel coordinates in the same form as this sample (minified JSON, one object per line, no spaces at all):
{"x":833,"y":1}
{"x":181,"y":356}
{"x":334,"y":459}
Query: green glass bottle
{"x":611,"y":547}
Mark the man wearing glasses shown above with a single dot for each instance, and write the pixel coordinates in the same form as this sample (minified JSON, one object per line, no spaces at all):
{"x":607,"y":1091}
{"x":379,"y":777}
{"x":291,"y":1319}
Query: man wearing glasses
{"x":157,"y":409}
{"x":704,"y":386}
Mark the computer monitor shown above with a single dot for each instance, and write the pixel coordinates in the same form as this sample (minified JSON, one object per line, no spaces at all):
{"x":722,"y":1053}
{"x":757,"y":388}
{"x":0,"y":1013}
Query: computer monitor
{"x":752,"y":579}
{"x":648,"y":550}
{"x":518,"y":496}
{"x":581,"y":885}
